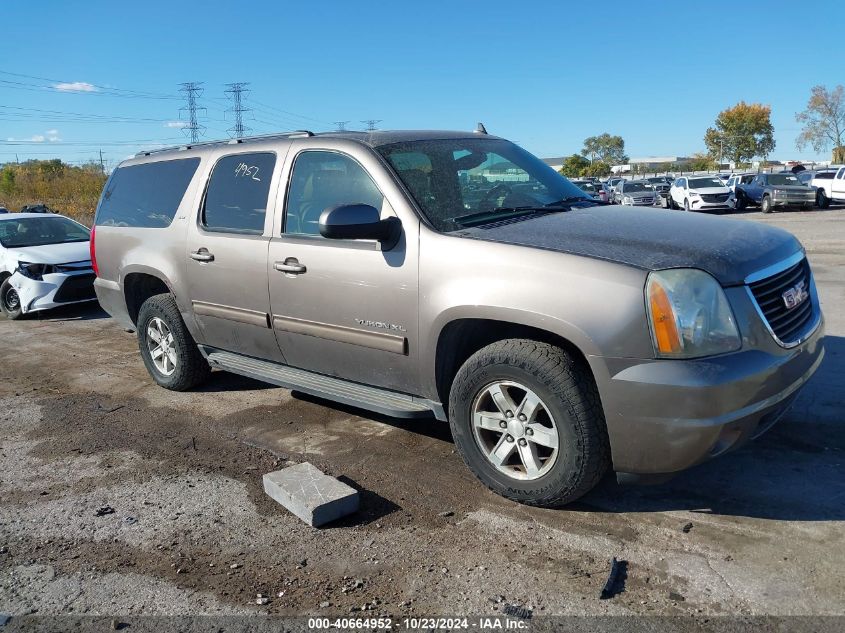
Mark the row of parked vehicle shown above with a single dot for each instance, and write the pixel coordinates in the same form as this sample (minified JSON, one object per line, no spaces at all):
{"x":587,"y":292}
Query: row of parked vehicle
{"x":721,"y":192}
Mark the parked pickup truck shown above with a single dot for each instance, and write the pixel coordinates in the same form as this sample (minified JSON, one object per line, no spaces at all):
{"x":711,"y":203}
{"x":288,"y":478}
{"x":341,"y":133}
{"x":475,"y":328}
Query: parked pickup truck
{"x":829,"y":185}
{"x":453,"y":275}
{"x":771,"y":191}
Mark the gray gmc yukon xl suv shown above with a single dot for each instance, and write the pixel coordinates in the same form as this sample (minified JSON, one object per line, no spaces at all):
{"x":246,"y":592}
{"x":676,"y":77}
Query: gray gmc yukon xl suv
{"x":456,"y":276}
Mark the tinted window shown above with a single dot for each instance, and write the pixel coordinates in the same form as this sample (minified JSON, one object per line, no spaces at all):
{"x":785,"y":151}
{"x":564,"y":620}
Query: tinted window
{"x":825,"y":175}
{"x":236,"y":200}
{"x":145,"y":195}
{"x":325,"y":179}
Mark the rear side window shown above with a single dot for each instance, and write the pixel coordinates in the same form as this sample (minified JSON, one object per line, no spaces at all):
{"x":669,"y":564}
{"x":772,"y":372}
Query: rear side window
{"x":147,"y":195}
{"x":824,"y":175}
{"x":236,"y":200}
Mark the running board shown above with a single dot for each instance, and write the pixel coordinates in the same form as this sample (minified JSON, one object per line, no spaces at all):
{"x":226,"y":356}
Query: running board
{"x":390,"y":403}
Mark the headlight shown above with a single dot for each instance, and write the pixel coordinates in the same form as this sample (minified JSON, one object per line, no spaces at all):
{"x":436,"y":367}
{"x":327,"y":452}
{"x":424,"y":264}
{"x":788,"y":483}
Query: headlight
{"x":689,"y":314}
{"x":627,"y":200}
{"x":35,"y":271}
{"x":693,"y":194}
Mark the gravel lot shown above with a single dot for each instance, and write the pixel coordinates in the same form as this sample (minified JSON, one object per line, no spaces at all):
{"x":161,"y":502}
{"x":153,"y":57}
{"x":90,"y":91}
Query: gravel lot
{"x":191,"y":531}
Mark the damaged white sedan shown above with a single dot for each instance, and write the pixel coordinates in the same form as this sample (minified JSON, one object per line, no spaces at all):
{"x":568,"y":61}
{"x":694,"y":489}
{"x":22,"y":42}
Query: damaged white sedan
{"x":45,"y":262}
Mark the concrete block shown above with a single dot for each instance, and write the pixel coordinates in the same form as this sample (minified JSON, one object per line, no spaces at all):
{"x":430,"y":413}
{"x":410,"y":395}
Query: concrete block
{"x":310,"y":494}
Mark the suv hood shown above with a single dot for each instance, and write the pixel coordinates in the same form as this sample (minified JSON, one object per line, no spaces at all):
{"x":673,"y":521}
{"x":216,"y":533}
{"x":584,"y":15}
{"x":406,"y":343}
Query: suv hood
{"x":652,"y":239}
{"x":52,"y":253}
{"x":710,"y":190}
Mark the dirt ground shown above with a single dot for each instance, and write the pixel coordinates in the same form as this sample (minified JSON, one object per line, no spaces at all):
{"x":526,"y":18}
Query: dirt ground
{"x":185,"y":528}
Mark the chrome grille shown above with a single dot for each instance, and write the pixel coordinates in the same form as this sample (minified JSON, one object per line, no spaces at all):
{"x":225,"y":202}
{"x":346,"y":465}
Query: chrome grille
{"x":788,"y":324}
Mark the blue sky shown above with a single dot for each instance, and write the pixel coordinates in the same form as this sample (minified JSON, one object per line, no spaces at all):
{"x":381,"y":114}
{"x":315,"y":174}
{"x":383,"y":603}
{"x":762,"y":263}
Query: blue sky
{"x":545,"y":74}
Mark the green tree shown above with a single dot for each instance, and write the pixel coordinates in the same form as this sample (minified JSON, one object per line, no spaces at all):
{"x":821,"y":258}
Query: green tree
{"x":598,"y":169}
{"x":574,"y":166}
{"x":824,"y":121}
{"x":741,"y":133}
{"x":700,"y":162}
{"x":606,"y":148}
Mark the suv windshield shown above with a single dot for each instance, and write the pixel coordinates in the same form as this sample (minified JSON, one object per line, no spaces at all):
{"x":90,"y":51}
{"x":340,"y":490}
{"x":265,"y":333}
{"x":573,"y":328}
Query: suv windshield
{"x":702,"y":183}
{"x":784,"y":179}
{"x":23,"y":232}
{"x":632,"y":187}
{"x":465,"y":181}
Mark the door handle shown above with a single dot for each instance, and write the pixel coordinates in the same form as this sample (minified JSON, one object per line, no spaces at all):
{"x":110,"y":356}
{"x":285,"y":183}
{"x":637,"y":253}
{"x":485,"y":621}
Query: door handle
{"x":202,"y":255}
{"x":291,"y":266}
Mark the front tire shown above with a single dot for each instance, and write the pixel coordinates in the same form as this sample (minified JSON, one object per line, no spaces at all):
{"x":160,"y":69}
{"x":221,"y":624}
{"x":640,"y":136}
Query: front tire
{"x":10,"y":302}
{"x":170,"y":354}
{"x":766,"y":205}
{"x":527,"y":419}
{"x":686,"y":204}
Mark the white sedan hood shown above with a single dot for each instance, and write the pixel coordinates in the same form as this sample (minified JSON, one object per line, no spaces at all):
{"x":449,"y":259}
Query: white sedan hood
{"x":711,"y":190}
{"x":51,"y":253}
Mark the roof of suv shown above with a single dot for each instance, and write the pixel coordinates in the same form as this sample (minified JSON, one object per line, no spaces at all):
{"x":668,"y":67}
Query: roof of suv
{"x":373,"y":139}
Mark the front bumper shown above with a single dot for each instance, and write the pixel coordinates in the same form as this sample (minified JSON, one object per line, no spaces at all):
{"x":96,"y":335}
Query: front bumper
{"x":701,"y":205}
{"x":666,"y":415}
{"x":53,"y":290}
{"x":794,"y":201}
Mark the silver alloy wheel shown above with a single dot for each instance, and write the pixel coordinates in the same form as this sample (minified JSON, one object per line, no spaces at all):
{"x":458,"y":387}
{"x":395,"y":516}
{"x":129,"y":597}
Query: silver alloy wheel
{"x":515,"y":430}
{"x":161,"y":346}
{"x":11,"y":300}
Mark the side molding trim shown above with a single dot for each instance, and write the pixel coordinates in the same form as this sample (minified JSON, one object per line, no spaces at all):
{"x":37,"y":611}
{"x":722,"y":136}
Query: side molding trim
{"x":375,"y":340}
{"x":241,"y":315}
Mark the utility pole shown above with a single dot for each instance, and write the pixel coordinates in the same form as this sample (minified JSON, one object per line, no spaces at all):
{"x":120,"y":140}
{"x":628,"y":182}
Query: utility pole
{"x":237,"y":91}
{"x":192,"y":92}
{"x":102,"y":164}
{"x":371,"y":124}
{"x":341,"y":125}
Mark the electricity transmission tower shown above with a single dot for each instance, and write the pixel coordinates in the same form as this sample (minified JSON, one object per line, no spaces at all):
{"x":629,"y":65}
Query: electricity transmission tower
{"x":237,"y":92}
{"x":192,"y":92}
{"x":371,"y":124}
{"x":341,"y":125}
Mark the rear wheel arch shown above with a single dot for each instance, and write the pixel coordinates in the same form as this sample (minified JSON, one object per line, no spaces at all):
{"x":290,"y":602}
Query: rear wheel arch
{"x":137,"y":288}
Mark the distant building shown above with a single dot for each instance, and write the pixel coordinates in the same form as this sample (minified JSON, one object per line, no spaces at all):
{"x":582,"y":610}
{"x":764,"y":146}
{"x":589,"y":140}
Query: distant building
{"x":555,"y":163}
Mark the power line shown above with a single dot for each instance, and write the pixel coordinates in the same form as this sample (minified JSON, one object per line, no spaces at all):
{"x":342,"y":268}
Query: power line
{"x":192,"y":91}
{"x":371,"y":124}
{"x":237,"y":92}
{"x":341,"y":125}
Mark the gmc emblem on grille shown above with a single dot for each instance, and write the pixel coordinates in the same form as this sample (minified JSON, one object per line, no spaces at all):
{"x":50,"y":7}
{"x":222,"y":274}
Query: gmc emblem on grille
{"x":795,"y":295}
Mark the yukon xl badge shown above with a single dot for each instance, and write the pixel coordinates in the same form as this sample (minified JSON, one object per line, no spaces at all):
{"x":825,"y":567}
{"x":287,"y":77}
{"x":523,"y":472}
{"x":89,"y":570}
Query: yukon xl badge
{"x":795,"y":295}
{"x":381,"y":325}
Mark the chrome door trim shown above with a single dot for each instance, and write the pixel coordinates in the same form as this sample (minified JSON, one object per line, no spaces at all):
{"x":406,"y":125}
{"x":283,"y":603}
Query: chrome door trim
{"x":364,"y":338}
{"x":241,"y":315}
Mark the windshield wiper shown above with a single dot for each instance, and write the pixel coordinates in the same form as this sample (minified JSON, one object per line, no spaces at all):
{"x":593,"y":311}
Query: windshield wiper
{"x":500,"y":213}
{"x":568,"y":200}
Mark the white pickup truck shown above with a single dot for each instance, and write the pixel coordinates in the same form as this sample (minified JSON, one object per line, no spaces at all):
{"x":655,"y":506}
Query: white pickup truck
{"x":830,"y":185}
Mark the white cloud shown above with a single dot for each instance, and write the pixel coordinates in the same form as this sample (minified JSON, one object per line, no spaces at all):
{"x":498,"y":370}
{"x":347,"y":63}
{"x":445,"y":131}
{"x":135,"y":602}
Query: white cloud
{"x":50,"y":135}
{"x":76,"y":86}
{"x":176,"y":124}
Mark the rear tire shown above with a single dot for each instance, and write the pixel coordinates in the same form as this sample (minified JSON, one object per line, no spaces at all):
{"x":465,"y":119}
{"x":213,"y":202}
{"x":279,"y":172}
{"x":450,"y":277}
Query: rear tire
{"x":10,"y":302}
{"x":169,"y":351}
{"x":766,"y":204}
{"x":566,"y":412}
{"x":822,"y":200}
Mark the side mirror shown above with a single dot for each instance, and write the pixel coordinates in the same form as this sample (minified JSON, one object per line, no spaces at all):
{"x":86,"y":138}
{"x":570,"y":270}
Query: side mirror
{"x":356,"y":222}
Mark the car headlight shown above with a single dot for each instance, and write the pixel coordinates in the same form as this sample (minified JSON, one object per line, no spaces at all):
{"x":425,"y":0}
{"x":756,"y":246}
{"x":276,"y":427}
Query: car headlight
{"x":35,"y":271}
{"x":627,"y":200}
{"x":689,"y":314}
{"x":693,"y":194}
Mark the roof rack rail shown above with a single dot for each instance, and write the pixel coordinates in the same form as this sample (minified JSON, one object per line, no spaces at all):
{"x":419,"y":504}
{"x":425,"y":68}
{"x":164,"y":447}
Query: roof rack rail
{"x":233,"y":141}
